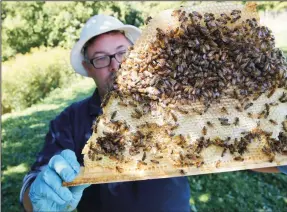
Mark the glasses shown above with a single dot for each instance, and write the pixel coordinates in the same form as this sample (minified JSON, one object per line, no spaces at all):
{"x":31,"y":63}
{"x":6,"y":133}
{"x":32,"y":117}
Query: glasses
{"x":105,"y":61}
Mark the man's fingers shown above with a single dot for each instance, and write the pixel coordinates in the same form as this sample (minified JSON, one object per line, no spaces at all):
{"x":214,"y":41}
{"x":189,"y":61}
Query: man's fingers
{"x":52,"y":180}
{"x":51,"y":195}
{"x":62,"y":167}
{"x":77,"y":191}
{"x":38,"y":193}
{"x":80,"y":188}
{"x":71,"y":158}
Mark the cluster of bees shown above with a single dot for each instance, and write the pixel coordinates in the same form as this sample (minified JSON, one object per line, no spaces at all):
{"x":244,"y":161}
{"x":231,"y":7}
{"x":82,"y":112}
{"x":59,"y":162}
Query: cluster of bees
{"x":202,"y":57}
{"x":196,"y":62}
{"x":112,"y":143}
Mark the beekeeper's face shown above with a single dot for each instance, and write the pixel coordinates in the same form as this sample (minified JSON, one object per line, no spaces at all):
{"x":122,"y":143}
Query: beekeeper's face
{"x":105,"y":54}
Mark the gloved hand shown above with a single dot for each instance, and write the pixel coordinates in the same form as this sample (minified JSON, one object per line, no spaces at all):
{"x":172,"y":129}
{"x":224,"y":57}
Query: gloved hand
{"x":48,"y":194}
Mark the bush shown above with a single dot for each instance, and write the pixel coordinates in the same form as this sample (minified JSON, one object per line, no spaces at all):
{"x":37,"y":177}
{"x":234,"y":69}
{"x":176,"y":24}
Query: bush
{"x":29,"y":78}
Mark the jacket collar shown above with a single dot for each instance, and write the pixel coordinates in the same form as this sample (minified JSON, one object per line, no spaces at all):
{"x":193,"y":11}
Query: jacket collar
{"x":95,"y":104}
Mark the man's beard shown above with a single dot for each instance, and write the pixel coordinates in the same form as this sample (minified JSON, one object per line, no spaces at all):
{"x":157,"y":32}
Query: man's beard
{"x":109,"y":85}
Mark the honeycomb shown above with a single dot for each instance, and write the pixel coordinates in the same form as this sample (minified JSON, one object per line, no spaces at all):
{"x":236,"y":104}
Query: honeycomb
{"x":202,"y":91}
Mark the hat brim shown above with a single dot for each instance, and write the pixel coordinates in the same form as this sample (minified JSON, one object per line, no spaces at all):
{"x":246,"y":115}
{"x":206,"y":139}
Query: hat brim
{"x":76,"y":56}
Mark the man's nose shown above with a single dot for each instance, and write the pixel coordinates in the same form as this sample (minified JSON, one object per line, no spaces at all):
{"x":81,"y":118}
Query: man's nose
{"x":114,"y":66}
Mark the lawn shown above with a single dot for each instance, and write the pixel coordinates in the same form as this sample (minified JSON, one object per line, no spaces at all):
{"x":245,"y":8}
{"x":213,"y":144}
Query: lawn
{"x":23,"y":134}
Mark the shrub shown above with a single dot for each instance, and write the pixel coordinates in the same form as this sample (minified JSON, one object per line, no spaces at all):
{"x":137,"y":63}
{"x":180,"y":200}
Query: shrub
{"x":28,"y":78}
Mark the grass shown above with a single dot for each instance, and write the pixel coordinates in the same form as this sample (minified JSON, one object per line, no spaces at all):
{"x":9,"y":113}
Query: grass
{"x":23,"y":134}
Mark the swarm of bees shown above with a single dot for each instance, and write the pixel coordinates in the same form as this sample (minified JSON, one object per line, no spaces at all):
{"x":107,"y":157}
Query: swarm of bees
{"x":203,"y":56}
{"x":204,"y":59}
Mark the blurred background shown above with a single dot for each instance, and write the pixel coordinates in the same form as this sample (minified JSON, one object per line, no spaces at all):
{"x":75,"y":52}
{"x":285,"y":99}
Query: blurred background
{"x":38,"y":83}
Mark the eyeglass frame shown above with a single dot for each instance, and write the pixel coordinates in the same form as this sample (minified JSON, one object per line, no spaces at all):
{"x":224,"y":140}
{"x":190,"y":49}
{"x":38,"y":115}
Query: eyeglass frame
{"x":110,"y":57}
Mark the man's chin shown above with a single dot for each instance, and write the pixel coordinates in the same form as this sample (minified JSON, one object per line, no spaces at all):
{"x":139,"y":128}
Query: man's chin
{"x":105,"y":90}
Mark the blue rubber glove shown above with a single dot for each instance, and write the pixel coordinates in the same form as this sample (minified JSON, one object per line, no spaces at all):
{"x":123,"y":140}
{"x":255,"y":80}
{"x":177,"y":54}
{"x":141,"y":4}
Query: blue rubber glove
{"x":48,"y":194}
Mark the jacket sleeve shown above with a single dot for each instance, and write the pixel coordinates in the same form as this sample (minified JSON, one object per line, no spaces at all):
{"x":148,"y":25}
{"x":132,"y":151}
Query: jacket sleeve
{"x":59,"y":137}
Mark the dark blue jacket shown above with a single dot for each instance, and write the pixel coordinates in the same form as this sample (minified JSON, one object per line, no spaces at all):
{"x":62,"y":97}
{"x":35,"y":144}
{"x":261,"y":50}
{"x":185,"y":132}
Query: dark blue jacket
{"x":71,"y":130}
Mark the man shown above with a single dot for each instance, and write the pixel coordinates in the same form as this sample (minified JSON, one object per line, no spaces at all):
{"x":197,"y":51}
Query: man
{"x":97,"y":54}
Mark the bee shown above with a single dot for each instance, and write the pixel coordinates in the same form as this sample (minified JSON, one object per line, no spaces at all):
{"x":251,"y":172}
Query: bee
{"x":261,"y":114}
{"x":199,"y":164}
{"x":250,"y":115}
{"x":132,"y":104}
{"x":248,"y":105}
{"x":267,"y":109}
{"x":113,"y":114}
{"x":155,"y":161}
{"x":223,"y":152}
{"x":266,"y":150}
{"x":273,"y":122}
{"x":284,"y":125}
{"x":204,"y":130}
{"x":271,"y":92}
{"x":238,"y":158}
{"x":137,"y":114}
{"x":106,"y":133}
{"x":268,"y":134}
{"x":273,"y":103}
{"x":182,"y":172}
{"x":224,"y":121}
{"x":197,"y":111}
{"x":176,"y":12}
{"x":119,"y":169}
{"x":235,"y":19}
{"x":105,"y":99}
{"x":257,"y":96}
{"x":182,"y":111}
{"x":271,"y":158}
{"x":142,"y":163}
{"x":148,"y":124}
{"x":158,"y":146}
{"x":122,"y":104}
{"x":144,"y":156}
{"x":235,"y":12}
{"x":206,"y":108}
{"x":91,"y":155}
{"x":174,"y":127}
{"x":209,"y":124}
{"x":238,"y":108}
{"x":235,"y":94}
{"x":148,"y":20}
{"x":236,"y":121}
{"x":94,"y":127}
{"x":174,"y":117}
{"x":224,"y":110}
{"x":283,"y":98}
{"x":149,"y":135}
{"x":160,"y":32}
{"x":194,"y":13}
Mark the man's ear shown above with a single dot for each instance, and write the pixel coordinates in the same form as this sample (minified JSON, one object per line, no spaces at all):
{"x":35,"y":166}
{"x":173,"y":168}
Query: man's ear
{"x":87,"y":67}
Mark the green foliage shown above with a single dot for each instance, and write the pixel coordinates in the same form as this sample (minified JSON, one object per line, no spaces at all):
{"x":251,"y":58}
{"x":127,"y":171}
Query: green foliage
{"x":23,"y":135}
{"x":272,"y":5}
{"x":42,"y":23}
{"x":239,"y":191}
{"x":32,"y":24}
{"x":29,"y":78}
